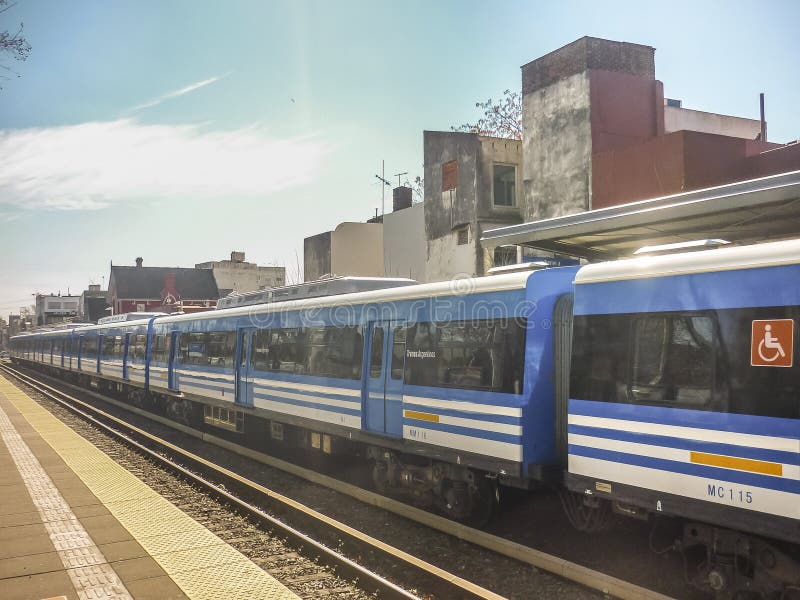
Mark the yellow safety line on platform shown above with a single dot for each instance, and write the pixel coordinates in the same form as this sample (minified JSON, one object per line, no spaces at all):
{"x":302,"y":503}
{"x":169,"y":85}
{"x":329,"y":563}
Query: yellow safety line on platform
{"x":200,"y":563}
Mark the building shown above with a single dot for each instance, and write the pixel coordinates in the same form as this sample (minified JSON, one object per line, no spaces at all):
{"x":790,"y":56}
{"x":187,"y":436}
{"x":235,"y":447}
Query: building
{"x":351,"y":249}
{"x":404,"y":244}
{"x":161,"y":289}
{"x":51,"y":309}
{"x":472,"y":184}
{"x":15,"y":325}
{"x":236,"y":275}
{"x":93,"y":304}
{"x":597,"y":132}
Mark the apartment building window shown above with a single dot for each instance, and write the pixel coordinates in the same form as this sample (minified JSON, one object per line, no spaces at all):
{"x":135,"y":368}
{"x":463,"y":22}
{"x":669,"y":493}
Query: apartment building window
{"x":504,"y":185}
{"x":463,"y":235}
{"x":505,"y":255}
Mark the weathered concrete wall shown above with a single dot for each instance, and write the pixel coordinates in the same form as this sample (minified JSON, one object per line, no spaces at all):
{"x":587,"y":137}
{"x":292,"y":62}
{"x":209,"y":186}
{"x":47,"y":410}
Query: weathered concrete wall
{"x":557,"y":149}
{"x":357,"y":249}
{"x":678,"y":119}
{"x":469,"y":204}
{"x":445,"y":210}
{"x":404,"y":245}
{"x":447,"y":259}
{"x":243,"y":276}
{"x":557,"y":118}
{"x":316,"y":256}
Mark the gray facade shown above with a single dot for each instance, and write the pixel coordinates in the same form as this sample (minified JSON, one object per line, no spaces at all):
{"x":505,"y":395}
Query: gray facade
{"x":557,"y":121}
{"x":237,"y":275}
{"x":463,"y":197}
{"x":316,"y":256}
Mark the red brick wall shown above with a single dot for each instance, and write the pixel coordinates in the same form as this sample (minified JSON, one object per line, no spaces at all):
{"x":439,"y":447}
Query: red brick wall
{"x":680,"y":162}
{"x":648,"y":170}
{"x":625,"y":109}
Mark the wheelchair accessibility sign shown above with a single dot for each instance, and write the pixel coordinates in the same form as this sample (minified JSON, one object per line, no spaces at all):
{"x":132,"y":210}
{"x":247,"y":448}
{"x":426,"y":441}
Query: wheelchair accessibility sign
{"x":772,"y":344}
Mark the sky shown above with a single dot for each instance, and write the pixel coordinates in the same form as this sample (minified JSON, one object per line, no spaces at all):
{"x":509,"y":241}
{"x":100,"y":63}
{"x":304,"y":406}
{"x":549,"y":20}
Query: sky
{"x":180,"y":131}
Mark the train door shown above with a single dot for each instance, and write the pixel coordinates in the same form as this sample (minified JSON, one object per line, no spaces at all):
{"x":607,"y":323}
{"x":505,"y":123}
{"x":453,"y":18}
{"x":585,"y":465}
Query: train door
{"x":172,"y":376}
{"x":244,"y":369}
{"x":383,"y":402}
{"x":78,"y":346}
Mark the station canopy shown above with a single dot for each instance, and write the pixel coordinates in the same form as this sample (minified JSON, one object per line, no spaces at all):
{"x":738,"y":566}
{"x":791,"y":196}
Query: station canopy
{"x":750,"y":211}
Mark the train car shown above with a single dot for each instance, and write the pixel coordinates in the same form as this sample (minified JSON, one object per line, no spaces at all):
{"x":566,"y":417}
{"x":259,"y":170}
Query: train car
{"x":438,"y":383}
{"x":685,"y":400}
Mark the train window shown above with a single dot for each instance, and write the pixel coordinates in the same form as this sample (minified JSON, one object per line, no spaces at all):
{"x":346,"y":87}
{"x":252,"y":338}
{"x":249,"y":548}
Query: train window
{"x":764,"y":391}
{"x":138,"y":347}
{"x":699,"y":361}
{"x":89,"y":346}
{"x":398,"y":352}
{"x":321,"y":351}
{"x":279,"y":350}
{"x":113,"y":346}
{"x":481,"y":355}
{"x":160,"y":350}
{"x":334,"y":352}
{"x":376,"y":355}
{"x":672,"y":360}
{"x":192,"y":348}
{"x":221,"y":347}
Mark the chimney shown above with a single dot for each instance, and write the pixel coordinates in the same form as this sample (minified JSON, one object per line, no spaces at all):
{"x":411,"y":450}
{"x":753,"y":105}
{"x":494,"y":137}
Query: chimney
{"x":138,"y":262}
{"x":401,"y":198}
{"x":237,"y":257}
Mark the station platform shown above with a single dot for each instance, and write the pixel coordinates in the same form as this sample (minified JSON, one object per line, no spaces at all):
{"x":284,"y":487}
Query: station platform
{"x":76,"y":525}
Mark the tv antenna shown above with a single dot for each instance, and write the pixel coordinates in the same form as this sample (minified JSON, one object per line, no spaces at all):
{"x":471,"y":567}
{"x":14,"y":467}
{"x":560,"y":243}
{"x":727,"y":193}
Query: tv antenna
{"x":382,"y":178}
{"x":399,"y":175}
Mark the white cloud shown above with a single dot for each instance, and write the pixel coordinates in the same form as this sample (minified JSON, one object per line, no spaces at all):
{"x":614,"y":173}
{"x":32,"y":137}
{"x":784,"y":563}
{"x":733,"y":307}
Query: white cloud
{"x":176,"y":93}
{"x":92,"y":165}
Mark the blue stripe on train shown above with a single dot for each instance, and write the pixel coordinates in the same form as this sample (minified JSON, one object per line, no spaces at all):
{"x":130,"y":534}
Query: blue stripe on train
{"x":467,"y":431}
{"x":336,"y":409}
{"x":770,"y":426}
{"x":763,"y":481}
{"x":789,"y":458}
{"x":477,"y":415}
{"x":698,"y":291}
{"x":291,"y":390}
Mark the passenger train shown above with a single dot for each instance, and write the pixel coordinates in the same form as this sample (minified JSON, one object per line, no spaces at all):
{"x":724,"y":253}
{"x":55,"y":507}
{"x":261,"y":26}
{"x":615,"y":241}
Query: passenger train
{"x":653,"y":385}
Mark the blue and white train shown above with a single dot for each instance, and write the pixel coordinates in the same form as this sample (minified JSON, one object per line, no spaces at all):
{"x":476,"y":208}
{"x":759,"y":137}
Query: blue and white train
{"x":657,"y":385}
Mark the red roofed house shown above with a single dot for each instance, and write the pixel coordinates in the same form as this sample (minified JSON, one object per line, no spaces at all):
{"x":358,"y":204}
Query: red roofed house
{"x":161,"y":289}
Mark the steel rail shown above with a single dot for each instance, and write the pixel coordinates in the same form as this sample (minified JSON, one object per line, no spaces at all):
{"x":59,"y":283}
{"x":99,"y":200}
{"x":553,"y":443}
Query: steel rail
{"x":447,"y":584}
{"x":590,"y":578}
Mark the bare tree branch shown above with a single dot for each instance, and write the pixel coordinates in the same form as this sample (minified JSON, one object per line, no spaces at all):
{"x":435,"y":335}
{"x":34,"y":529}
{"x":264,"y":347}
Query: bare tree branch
{"x":500,"y":119}
{"x":14,"y":45}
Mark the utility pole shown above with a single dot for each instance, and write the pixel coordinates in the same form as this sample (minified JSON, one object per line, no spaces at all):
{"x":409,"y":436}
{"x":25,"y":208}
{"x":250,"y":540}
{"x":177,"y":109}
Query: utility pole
{"x":382,"y":178}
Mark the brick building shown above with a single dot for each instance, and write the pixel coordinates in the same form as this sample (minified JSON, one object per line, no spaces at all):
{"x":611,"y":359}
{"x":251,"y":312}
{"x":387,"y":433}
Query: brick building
{"x":161,"y":289}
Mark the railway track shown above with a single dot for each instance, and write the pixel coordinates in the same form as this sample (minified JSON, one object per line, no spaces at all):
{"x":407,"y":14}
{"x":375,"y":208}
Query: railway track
{"x":248,"y":496}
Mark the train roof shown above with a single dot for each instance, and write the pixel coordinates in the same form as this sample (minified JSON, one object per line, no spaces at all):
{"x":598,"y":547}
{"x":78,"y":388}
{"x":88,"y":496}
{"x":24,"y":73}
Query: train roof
{"x":769,"y":254}
{"x":327,"y":286}
{"x":457,"y":287}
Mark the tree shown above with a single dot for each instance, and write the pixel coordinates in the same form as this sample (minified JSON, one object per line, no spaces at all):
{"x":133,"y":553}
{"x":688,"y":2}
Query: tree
{"x":500,"y":119}
{"x":418,"y":187}
{"x":12,"y":44}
